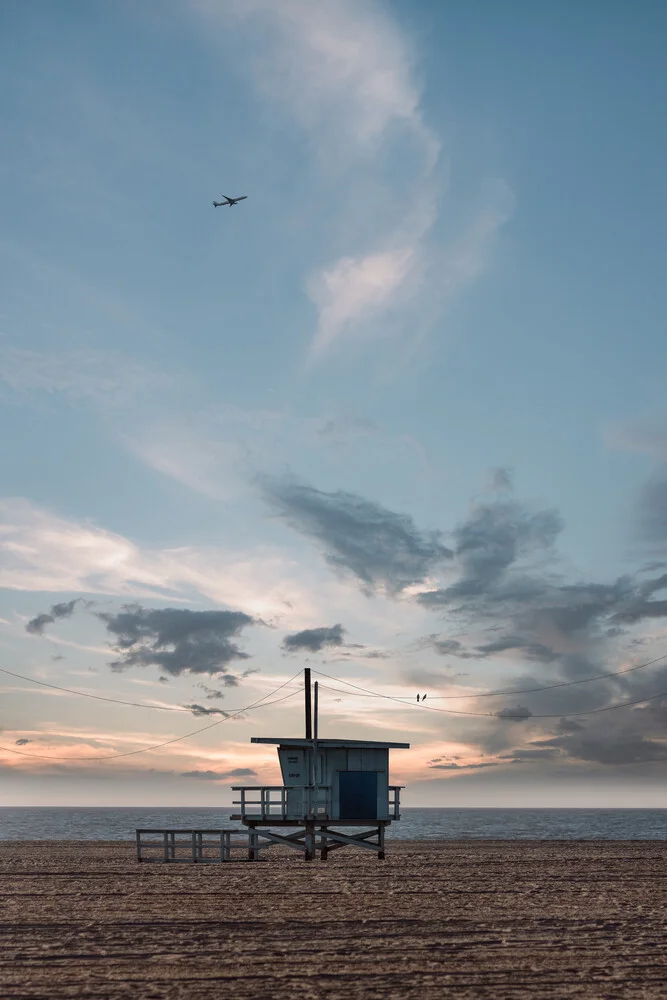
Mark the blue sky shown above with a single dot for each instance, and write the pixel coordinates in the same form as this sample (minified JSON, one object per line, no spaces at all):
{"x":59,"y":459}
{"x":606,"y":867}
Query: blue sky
{"x":414,"y":386}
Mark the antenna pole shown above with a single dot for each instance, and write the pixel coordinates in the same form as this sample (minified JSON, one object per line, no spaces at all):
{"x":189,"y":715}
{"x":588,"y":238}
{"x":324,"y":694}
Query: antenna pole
{"x":315,"y":710}
{"x":309,"y":716}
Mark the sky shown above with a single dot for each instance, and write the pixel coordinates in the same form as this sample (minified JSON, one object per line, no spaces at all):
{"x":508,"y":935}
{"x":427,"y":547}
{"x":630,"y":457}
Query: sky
{"x":399,"y":416}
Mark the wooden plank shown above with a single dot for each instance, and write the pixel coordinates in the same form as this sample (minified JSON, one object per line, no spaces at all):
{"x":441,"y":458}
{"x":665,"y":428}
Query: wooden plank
{"x":358,"y":841}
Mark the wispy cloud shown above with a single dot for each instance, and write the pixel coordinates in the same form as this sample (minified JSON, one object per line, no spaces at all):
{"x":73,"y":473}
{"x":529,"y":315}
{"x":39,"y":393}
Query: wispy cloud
{"x":338,"y":62}
{"x":357,"y":289}
{"x":102,"y":377}
{"x":42,"y":551}
{"x":344,"y":72}
{"x":646,"y":436}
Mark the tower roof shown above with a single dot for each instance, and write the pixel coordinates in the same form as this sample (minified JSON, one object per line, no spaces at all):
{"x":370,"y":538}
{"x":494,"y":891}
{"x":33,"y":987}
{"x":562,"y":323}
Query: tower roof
{"x":330,"y":744}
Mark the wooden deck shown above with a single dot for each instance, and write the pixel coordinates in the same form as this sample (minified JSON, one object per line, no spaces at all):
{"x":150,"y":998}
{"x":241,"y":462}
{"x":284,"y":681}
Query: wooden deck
{"x":467,"y":920}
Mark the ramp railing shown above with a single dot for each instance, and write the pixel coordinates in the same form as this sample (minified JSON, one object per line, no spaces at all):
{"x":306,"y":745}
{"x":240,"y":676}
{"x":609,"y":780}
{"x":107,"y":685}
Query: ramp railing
{"x":190,"y":846}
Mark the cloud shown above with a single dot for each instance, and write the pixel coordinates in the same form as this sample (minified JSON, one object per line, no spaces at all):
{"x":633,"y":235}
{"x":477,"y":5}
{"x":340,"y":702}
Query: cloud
{"x":507,"y":581}
{"x":213,"y":694}
{"x":343,"y":428}
{"x":103,"y":377}
{"x":530,"y":754}
{"x":314,"y":639}
{"x":570,"y":726}
{"x":492,"y":539}
{"x":535,"y":651}
{"x":448,"y":647}
{"x":355,"y":289}
{"x":41,"y":551}
{"x":648,"y":437}
{"x":37,"y":625}
{"x":237,"y":772}
{"x":175,"y":639}
{"x":210,"y":454}
{"x":518,"y":712}
{"x":344,"y":72}
{"x":502,"y":480}
{"x":461,"y":767}
{"x":340,"y":66}
{"x":64,"y":609}
{"x":384,"y":550}
{"x":611,"y":748}
{"x":201,"y":710}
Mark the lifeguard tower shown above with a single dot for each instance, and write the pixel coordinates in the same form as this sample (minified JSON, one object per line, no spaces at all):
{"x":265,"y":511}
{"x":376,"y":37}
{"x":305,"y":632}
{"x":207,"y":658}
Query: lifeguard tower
{"x":327,"y":784}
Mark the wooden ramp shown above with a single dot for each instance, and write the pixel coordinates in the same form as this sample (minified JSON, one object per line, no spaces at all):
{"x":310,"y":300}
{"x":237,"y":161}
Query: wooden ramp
{"x":190,"y":846}
{"x":216,"y":846}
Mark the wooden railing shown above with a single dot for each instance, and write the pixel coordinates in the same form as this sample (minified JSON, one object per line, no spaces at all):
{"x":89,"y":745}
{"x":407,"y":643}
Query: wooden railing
{"x":281,"y":802}
{"x":272,"y":802}
{"x":395,"y":801}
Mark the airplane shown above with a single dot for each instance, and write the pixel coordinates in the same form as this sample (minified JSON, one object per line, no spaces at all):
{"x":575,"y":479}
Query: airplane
{"x":229,"y":201}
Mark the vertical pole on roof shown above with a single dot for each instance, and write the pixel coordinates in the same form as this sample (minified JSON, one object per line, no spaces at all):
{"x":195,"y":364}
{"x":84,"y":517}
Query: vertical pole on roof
{"x":309,"y":715}
{"x":316,"y":794}
{"x":308,"y":754}
{"x":315,"y":709}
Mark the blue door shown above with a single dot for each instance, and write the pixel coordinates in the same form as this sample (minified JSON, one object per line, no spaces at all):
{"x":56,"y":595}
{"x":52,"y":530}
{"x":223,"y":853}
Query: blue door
{"x":358,"y":794}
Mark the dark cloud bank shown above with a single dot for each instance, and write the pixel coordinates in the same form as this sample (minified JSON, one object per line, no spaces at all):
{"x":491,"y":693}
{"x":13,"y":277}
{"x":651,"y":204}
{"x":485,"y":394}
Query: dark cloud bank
{"x":509,"y":597}
{"x":384,"y":550}
{"x":313,"y":640}
{"x":177,"y":641}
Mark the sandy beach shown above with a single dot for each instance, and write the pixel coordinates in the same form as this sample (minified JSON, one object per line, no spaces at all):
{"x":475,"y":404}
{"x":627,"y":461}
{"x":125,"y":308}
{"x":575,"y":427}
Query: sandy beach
{"x":435,"y":919}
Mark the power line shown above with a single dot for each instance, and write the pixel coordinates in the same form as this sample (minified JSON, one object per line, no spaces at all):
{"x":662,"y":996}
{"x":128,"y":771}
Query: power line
{"x":485,"y":715}
{"x":96,"y":697}
{"x":437,"y":697}
{"x":261,"y":703}
{"x":551,"y":687}
{"x":546,"y":687}
{"x":441,"y":697}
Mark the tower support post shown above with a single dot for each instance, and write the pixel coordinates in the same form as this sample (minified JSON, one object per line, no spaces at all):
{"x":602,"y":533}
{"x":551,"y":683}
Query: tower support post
{"x":309,"y":840}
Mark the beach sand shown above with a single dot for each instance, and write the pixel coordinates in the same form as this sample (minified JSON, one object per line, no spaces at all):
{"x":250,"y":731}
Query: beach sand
{"x":495,"y":920}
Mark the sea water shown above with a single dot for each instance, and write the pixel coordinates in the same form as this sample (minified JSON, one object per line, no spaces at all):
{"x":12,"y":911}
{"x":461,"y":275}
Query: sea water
{"x":103,"y":823}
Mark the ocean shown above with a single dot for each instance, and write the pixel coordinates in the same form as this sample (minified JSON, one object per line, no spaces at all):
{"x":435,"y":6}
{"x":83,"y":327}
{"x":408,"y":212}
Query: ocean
{"x":102,"y":823}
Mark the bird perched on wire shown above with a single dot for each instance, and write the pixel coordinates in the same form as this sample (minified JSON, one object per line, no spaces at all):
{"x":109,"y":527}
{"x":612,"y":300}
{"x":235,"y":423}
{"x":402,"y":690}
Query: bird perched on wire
{"x":421,"y":697}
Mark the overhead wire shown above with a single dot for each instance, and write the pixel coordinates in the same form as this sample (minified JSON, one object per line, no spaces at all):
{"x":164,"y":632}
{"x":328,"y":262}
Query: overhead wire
{"x":552,"y":687}
{"x":437,"y":697}
{"x":484,"y":715}
{"x":260,"y":703}
{"x":96,"y":697}
{"x":363,"y":692}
